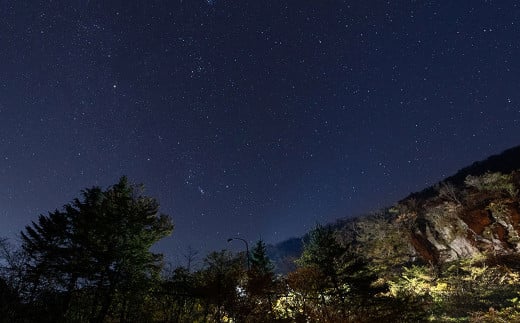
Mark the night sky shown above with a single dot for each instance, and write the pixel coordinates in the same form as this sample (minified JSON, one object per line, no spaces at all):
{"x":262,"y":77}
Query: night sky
{"x":252,"y":119}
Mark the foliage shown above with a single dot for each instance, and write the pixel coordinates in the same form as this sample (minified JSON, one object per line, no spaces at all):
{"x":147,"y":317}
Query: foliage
{"x":493,"y":182}
{"x":333,"y":283}
{"x":99,"y":244}
{"x":451,"y":257}
{"x":457,"y":291}
{"x":261,"y":286}
{"x":260,"y":262}
{"x":221,"y":285}
{"x":380,"y":242}
{"x":323,"y":251}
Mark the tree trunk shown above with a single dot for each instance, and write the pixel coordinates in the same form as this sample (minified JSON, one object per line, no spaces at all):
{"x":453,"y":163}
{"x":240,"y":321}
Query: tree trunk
{"x":105,"y":305}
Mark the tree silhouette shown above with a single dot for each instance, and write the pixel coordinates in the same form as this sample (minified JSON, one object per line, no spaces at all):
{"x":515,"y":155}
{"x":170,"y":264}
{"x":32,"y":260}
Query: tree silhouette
{"x":219,"y":285}
{"x":261,"y":284}
{"x":100,"y":244}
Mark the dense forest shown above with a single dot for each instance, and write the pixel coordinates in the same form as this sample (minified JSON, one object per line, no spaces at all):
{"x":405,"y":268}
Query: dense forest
{"x":447,"y":254}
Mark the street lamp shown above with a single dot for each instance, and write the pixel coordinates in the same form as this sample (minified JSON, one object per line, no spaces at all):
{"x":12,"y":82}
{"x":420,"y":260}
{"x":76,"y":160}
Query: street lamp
{"x":247,"y":249}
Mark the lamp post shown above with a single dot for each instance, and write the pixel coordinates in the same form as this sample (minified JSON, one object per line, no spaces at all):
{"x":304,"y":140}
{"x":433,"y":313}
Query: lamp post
{"x":247,"y":249}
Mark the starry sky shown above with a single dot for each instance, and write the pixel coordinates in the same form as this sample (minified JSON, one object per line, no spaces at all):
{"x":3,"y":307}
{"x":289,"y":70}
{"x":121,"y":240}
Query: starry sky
{"x":251,"y":119}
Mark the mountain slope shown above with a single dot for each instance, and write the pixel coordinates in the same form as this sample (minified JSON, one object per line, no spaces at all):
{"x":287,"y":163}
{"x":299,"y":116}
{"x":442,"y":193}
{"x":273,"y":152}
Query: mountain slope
{"x":475,"y":211}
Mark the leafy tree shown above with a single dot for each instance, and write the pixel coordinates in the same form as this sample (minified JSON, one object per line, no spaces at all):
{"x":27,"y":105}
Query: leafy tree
{"x":300,"y":304}
{"x":220,"y":285}
{"x":99,"y":243}
{"x":379,"y":241}
{"x":179,"y":297}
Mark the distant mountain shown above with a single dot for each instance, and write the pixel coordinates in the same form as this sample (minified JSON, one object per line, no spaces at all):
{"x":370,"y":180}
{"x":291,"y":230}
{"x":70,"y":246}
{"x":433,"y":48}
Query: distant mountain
{"x":284,"y":253}
{"x":475,"y":211}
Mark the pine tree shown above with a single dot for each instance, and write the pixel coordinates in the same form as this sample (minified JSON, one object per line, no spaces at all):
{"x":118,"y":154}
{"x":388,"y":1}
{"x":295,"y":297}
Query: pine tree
{"x":261,"y":284}
{"x":99,"y":243}
{"x":261,"y":275}
{"x":260,"y":262}
{"x":322,"y":251}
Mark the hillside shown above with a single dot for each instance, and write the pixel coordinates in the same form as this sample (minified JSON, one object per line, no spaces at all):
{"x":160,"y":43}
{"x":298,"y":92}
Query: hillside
{"x":475,"y":211}
{"x":450,"y":253}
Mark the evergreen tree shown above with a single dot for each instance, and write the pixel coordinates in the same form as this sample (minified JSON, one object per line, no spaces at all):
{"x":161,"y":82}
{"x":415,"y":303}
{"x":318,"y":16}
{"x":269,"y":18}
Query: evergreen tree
{"x":322,"y":251}
{"x":261,"y":275}
{"x":322,"y":254}
{"x":260,"y":262}
{"x":98,"y":243}
{"x":345,"y":284}
{"x":261,"y":285}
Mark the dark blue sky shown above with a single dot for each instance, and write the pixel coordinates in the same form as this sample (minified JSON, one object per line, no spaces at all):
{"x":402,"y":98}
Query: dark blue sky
{"x":250,"y":118}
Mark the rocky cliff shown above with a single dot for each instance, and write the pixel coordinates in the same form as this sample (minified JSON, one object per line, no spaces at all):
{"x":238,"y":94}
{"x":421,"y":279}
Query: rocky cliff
{"x":480,"y":216}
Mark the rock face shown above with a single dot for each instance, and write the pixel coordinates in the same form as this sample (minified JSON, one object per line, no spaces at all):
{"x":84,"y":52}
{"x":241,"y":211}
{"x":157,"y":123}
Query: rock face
{"x":439,"y":235}
{"x":477,"y":210}
{"x":481,"y":217}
